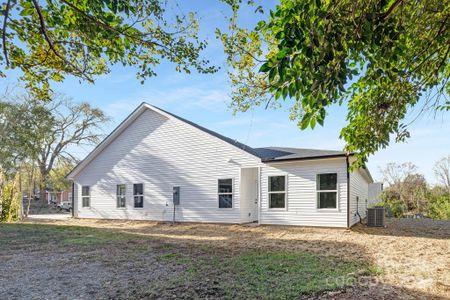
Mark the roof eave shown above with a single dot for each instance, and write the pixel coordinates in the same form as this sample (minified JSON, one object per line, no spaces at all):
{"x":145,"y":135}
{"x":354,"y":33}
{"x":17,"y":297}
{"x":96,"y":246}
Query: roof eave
{"x":306,"y":158}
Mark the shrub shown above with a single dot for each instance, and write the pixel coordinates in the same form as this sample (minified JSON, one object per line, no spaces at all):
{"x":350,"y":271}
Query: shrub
{"x":394,"y":206}
{"x":9,"y":203}
{"x":439,"y":205}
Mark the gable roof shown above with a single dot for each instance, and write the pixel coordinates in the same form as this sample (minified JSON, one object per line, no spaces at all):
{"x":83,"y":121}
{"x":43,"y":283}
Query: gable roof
{"x":133,"y":116}
{"x":267,"y":154}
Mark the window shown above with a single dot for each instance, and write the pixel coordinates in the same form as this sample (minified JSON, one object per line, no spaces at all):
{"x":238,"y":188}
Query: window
{"x":121,"y":199}
{"x":138,"y":193}
{"x":327,"y":190}
{"x":85,"y":196}
{"x":277,"y":191}
{"x":225,"y":191}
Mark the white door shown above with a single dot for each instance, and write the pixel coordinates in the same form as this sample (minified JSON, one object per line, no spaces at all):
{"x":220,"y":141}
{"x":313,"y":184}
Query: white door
{"x":249,"y":195}
{"x":255,"y":197}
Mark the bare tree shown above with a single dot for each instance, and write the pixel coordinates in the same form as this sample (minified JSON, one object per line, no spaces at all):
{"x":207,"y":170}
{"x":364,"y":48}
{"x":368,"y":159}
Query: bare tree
{"x":394,"y":174}
{"x":442,"y":171}
{"x":72,"y":124}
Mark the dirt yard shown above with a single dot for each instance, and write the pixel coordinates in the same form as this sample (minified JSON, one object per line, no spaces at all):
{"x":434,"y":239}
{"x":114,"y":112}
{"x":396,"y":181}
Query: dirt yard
{"x":410,"y":259}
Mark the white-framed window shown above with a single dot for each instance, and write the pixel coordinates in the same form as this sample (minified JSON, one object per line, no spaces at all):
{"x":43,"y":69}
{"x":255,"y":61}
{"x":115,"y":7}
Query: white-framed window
{"x":277,"y":191}
{"x":327,"y":194}
{"x":225,"y":192}
{"x":121,"y":195}
{"x":138,"y":194}
{"x":85,"y":196}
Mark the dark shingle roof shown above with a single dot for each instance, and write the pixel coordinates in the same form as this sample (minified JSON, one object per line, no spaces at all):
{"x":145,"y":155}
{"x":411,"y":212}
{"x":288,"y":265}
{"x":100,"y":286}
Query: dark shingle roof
{"x":282,"y":153}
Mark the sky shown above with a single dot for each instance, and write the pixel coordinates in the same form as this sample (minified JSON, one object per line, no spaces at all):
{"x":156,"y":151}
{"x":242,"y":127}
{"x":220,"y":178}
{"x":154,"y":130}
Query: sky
{"x":205,"y":99}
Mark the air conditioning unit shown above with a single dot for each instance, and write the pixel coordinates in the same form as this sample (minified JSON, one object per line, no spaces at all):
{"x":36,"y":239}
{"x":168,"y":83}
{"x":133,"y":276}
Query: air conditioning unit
{"x":375,"y":216}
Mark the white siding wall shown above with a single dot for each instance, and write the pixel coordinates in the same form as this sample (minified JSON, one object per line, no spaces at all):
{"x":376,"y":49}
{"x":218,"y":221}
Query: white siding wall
{"x":359,"y":187}
{"x":163,"y":152}
{"x":301,"y":194}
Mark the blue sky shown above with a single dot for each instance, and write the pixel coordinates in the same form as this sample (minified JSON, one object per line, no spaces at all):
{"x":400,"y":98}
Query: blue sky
{"x":204,"y":99}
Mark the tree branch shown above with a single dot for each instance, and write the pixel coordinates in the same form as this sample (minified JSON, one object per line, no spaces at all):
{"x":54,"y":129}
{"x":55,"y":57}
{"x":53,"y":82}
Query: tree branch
{"x":5,"y":23}
{"x":110,"y":28}
{"x":50,"y":43}
{"x":391,"y":9}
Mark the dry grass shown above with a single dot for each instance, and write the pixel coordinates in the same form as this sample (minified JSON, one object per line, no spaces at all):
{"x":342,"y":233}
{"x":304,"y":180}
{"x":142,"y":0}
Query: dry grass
{"x":413,"y":255}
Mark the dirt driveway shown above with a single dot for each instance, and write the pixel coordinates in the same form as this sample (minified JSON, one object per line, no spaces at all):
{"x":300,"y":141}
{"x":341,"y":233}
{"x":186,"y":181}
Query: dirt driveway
{"x":412,"y":256}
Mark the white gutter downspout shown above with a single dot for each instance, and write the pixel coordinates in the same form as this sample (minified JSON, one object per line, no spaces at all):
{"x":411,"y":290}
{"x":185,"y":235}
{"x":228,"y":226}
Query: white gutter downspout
{"x":259,"y":195}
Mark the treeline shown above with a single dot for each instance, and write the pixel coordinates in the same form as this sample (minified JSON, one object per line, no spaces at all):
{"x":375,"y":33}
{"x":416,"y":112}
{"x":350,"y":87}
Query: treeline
{"x":408,"y":193}
{"x":37,"y":137}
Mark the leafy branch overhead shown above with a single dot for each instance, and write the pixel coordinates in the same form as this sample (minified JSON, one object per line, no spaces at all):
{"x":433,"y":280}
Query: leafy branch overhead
{"x":51,"y":39}
{"x":379,"y":57}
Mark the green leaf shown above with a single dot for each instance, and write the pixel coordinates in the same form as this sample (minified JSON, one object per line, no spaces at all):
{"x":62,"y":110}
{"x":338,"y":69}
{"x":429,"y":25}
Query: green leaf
{"x":265,"y":67}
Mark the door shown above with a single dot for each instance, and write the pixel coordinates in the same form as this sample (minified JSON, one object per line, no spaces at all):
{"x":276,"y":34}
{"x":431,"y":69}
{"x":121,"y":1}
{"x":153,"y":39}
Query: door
{"x":255,"y":197}
{"x":249,"y":195}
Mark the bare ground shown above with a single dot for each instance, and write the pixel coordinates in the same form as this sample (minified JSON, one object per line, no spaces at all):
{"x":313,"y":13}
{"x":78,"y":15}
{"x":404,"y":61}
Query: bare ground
{"x":412,"y":255}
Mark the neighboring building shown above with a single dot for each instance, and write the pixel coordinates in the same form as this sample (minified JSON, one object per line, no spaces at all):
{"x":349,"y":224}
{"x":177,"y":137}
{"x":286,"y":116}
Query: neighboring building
{"x":58,"y":197}
{"x":133,"y":172}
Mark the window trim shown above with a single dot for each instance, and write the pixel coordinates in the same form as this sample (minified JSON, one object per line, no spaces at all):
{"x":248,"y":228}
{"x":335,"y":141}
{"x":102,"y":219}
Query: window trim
{"x":336,"y":209}
{"x":232,"y":193}
{"x":117,"y":196}
{"x":143,"y":192}
{"x":88,"y":196}
{"x":285,"y":192}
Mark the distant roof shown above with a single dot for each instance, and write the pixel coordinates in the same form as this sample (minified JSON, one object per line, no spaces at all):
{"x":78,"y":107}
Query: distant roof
{"x":268,"y":154}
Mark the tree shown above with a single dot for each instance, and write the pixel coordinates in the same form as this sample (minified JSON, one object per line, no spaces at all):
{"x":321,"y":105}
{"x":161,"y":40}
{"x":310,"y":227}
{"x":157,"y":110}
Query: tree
{"x":394,"y":174}
{"x":407,"y":189}
{"x":50,"y":39}
{"x":40,"y":134}
{"x":442,"y":171}
{"x":72,"y":125}
{"x":17,"y":139}
{"x":379,"y":57}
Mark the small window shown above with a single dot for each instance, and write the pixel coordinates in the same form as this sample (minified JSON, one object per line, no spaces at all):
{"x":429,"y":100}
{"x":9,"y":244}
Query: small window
{"x":138,"y":193}
{"x":327,"y":190}
{"x":86,"y":196}
{"x":277,"y":191}
{"x":121,"y":198}
{"x":225,"y":192}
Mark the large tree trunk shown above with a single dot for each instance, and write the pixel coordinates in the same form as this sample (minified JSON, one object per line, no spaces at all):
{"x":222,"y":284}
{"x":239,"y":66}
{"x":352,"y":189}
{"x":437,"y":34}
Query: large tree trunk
{"x":42,"y":186}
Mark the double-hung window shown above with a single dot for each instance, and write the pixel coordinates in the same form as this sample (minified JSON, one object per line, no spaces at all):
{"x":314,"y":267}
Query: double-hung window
{"x":327,"y":191}
{"x":138,"y":193}
{"x":277,"y":191}
{"x":121,"y":198}
{"x":85,"y":196}
{"x":225,"y":192}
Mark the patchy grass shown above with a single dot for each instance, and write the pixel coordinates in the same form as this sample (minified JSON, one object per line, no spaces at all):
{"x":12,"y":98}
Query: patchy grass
{"x":262,"y":274}
{"x":114,"y":264}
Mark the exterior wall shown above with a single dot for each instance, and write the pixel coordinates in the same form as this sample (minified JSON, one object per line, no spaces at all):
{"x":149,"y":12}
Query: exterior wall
{"x":301,"y":205}
{"x":163,"y":152}
{"x":359,"y":187}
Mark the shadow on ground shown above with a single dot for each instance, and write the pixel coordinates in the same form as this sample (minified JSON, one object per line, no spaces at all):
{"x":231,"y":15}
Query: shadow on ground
{"x":130,"y":259}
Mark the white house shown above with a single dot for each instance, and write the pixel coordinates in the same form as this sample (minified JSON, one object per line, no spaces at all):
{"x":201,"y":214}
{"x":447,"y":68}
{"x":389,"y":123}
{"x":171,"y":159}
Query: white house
{"x":152,"y":155}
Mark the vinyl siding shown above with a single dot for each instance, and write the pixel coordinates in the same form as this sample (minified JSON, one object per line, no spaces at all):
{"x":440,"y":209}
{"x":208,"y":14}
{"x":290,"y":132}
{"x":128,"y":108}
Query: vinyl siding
{"x":359,"y":187}
{"x":301,"y":203}
{"x":162,"y":152}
